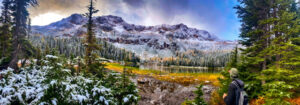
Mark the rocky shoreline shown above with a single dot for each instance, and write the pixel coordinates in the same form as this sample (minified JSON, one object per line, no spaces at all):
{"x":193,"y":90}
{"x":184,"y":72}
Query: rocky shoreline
{"x":156,"y":92}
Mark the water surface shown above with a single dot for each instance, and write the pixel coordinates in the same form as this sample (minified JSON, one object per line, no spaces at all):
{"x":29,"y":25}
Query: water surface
{"x":180,"y":69}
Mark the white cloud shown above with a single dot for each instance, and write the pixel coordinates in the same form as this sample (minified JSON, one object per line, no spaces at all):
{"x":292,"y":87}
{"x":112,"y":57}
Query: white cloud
{"x":47,"y":18}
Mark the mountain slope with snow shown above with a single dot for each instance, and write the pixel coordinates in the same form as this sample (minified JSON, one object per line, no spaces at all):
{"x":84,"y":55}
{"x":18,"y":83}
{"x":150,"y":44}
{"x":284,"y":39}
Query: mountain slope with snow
{"x":145,"y":41}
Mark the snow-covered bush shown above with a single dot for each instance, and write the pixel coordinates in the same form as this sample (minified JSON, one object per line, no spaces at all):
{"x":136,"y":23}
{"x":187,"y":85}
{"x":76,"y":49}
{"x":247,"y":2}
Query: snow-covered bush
{"x":25,"y":87}
{"x":54,"y":84}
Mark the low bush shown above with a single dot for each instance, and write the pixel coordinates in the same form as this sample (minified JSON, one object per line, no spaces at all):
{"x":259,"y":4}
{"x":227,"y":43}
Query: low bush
{"x":199,"y":98}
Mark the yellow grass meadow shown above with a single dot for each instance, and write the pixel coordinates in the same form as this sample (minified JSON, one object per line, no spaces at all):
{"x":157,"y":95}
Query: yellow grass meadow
{"x":181,"y":78}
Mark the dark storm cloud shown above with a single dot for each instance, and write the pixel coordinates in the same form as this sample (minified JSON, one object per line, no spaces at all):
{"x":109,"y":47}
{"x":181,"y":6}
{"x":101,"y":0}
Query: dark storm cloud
{"x":216,"y":16}
{"x":168,"y":9}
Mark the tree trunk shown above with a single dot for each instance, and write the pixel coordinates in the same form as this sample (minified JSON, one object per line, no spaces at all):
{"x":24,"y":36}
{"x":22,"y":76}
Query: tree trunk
{"x":13,"y":63}
{"x":264,"y":67}
{"x":24,"y":62}
{"x":3,"y":51}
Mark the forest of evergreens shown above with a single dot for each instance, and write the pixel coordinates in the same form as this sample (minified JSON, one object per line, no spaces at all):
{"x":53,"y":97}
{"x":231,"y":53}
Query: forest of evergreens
{"x":270,"y":63}
{"x":74,"y":47}
{"x":195,"y":58}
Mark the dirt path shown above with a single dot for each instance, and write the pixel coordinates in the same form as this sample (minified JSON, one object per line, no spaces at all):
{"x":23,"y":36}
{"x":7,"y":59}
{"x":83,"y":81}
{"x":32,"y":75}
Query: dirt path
{"x":156,"y":92}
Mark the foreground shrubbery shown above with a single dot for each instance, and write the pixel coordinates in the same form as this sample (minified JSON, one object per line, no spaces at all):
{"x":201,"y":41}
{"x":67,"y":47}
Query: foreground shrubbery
{"x":53,"y":83}
{"x":198,"y":100}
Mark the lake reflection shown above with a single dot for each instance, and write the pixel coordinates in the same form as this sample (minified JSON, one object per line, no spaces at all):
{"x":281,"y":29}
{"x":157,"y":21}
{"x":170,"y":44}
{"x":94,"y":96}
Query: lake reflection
{"x":181,"y":69}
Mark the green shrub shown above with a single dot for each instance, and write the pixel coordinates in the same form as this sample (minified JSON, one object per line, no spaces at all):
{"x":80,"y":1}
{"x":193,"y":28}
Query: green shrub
{"x":198,"y":100}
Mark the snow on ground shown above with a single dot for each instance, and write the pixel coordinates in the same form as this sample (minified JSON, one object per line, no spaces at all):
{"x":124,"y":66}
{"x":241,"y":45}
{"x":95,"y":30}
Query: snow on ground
{"x":25,"y":86}
{"x":30,"y":86}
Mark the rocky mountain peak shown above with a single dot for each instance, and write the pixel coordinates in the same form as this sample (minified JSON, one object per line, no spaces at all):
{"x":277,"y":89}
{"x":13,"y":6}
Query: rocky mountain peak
{"x":76,"y":19}
{"x":181,"y":25}
{"x":111,"y":23}
{"x":109,"y":19}
{"x":150,"y":41}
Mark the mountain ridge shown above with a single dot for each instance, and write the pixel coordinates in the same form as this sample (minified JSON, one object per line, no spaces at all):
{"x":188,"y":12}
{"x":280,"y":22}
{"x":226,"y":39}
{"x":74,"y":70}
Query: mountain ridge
{"x":107,"y":22}
{"x":146,"y":41}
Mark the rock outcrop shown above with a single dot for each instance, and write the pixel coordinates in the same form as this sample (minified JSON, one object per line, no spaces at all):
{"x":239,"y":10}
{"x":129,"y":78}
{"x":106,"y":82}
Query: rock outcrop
{"x":156,"y":92}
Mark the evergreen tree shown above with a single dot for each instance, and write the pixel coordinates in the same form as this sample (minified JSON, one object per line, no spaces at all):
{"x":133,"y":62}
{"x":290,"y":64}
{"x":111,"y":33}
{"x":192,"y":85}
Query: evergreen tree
{"x":199,"y":99}
{"x":254,"y":37}
{"x":20,"y":46}
{"x":90,"y":43}
{"x":270,"y":29}
{"x":5,"y":32}
{"x":29,"y":27}
{"x":282,"y":75}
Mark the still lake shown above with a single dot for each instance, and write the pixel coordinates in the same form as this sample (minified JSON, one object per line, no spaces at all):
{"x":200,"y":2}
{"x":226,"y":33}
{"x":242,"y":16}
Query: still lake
{"x":181,"y":69}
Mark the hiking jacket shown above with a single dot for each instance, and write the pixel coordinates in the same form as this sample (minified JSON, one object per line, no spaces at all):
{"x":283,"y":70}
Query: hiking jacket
{"x":232,"y":98}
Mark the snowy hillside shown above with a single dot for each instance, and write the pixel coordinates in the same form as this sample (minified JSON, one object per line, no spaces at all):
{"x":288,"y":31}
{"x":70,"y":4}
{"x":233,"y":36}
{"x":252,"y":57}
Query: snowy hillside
{"x":146,"y":41}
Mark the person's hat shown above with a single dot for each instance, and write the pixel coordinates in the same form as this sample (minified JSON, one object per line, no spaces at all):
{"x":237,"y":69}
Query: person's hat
{"x":233,"y":73}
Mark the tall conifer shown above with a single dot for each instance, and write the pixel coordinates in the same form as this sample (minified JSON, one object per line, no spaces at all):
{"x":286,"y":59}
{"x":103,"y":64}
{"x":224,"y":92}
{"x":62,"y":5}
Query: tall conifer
{"x":270,"y":29}
{"x":283,"y":73}
{"x":5,"y":29}
{"x":21,"y":47}
{"x":91,"y":45}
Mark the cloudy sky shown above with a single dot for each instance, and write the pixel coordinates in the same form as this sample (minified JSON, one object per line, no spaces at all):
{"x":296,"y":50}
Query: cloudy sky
{"x":215,"y":16}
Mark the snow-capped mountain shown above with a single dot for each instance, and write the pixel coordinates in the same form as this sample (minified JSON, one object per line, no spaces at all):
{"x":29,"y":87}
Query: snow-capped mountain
{"x":146,"y":41}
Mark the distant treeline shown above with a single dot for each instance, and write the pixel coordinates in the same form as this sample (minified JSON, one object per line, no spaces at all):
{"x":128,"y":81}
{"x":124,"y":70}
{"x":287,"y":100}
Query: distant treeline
{"x":196,"y":58}
{"x":74,"y":46}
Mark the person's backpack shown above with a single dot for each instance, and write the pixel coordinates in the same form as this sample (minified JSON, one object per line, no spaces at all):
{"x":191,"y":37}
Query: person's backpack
{"x":241,"y":95}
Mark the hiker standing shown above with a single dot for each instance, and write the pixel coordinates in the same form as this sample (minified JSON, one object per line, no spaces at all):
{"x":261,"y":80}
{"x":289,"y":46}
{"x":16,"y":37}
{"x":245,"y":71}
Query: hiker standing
{"x":236,"y":95}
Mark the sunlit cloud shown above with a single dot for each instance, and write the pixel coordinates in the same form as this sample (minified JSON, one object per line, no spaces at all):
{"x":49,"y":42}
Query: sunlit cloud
{"x":47,"y":18}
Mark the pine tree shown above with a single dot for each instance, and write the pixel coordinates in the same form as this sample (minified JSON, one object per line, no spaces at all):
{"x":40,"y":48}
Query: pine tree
{"x":29,"y":27}
{"x":254,"y":36}
{"x":91,"y":45}
{"x":282,"y":74}
{"x":20,"y":46}
{"x":270,"y":29}
{"x":199,"y":99}
{"x":5,"y":34}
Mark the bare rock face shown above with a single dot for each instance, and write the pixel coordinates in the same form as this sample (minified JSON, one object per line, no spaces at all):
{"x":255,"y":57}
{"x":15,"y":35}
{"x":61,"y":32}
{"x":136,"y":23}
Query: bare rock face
{"x":106,"y":28}
{"x":156,"y":92}
{"x":207,"y":91}
{"x":140,"y":28}
{"x":76,"y":19}
{"x":109,"y":19}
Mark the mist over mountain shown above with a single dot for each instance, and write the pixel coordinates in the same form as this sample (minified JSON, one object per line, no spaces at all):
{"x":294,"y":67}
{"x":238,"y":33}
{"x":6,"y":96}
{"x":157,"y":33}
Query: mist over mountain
{"x":146,"y":41}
